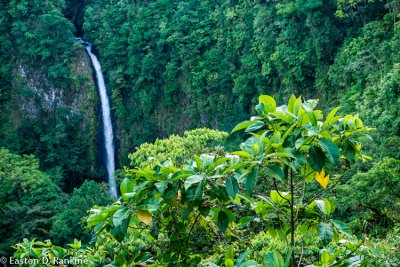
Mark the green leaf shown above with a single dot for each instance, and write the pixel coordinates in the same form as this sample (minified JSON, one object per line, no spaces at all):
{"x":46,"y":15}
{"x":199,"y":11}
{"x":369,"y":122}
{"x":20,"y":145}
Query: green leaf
{"x":171,"y":190}
{"x":325,"y":232}
{"x":229,"y":260}
{"x":330,"y":149}
{"x":312,"y":118}
{"x":230,"y":214}
{"x":242,"y":154}
{"x":292,"y":99}
{"x":324,"y":206}
{"x":121,"y":215}
{"x":242,"y":256}
{"x":223,"y":221}
{"x":274,"y":259}
{"x":251,"y":180}
{"x":330,"y":116}
{"x":342,"y":227}
{"x":349,"y":151}
{"x":244,"y":221}
{"x":288,"y":257}
{"x":325,"y":258}
{"x":243,"y":125}
{"x":181,"y":174}
{"x":254,"y":127}
{"x":317,"y":158}
{"x":199,"y":190}
{"x":191,"y":180}
{"x":126,"y":186}
{"x":276,"y":197}
{"x":276,"y":138}
{"x":249,"y":263}
{"x":199,"y":162}
{"x":275,"y":171}
{"x":121,"y":222}
{"x":269,"y":103}
{"x":119,"y":259}
{"x":161,"y":186}
{"x":217,"y":163}
{"x":232,"y":186}
{"x":297,"y":106}
{"x":236,"y":167}
{"x":149,"y":204}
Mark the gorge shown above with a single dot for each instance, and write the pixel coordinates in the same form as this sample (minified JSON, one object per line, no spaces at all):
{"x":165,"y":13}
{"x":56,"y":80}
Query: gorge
{"x":106,"y":120}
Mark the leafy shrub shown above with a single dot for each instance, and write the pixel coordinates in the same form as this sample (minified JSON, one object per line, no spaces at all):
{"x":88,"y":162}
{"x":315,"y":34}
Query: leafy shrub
{"x":28,"y":198}
{"x":177,"y":148}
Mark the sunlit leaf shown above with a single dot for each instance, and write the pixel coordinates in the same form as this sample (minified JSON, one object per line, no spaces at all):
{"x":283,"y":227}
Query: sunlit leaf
{"x":321,"y":178}
{"x":269,"y":103}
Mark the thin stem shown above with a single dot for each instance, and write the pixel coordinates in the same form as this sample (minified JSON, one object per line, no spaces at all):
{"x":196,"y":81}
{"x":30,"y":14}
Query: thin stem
{"x":276,"y":189}
{"x":323,"y":191}
{"x":301,"y":200}
{"x":302,"y":253}
{"x":279,"y":209}
{"x":191,"y":228}
{"x":292,"y":219}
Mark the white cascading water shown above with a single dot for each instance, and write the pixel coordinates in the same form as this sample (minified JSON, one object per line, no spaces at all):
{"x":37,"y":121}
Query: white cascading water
{"x":107,"y":125}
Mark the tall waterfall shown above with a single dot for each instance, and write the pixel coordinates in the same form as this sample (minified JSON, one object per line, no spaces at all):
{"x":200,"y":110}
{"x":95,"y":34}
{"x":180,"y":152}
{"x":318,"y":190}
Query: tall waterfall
{"x":107,"y":125}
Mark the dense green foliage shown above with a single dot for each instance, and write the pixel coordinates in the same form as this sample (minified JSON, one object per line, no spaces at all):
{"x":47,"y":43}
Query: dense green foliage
{"x":177,"y":148}
{"x":214,"y":210}
{"x":66,"y":225}
{"x":28,"y":197}
{"x":172,"y":66}
{"x":47,"y":93}
{"x":373,"y":198}
{"x":203,"y":63}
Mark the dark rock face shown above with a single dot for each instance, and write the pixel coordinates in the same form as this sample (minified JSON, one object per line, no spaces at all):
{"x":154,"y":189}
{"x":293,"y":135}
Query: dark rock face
{"x":64,"y":118}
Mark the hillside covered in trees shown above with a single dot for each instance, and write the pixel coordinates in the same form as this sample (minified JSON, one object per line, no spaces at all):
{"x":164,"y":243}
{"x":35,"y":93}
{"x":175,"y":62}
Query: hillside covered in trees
{"x":246,"y":133}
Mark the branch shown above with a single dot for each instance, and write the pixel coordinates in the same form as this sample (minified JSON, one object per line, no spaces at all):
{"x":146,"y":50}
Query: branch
{"x":276,"y":189}
{"x":191,"y":228}
{"x":323,"y":191}
{"x":302,"y":253}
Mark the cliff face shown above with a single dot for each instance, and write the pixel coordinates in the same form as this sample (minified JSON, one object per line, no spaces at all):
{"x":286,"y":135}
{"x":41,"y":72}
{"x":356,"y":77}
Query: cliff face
{"x":63,"y":118}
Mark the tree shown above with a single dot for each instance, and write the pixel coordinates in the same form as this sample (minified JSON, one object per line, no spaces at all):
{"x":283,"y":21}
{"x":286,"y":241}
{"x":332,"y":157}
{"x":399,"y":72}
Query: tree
{"x":28,"y":198}
{"x":291,"y":147}
{"x":373,"y":197}
{"x":67,"y":224}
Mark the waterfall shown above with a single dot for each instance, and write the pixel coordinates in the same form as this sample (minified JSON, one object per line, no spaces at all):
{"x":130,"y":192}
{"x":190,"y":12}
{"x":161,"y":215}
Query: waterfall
{"x":107,"y":124}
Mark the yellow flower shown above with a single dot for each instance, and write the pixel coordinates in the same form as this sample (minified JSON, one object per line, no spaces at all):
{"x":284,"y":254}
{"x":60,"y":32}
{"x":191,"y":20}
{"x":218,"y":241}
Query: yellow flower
{"x":322,"y":179}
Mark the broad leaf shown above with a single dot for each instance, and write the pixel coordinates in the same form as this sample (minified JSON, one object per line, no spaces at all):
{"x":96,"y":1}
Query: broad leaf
{"x":223,"y":221}
{"x":145,"y":217}
{"x":342,"y":227}
{"x":330,"y":149}
{"x":120,"y":215}
{"x":126,"y":186}
{"x":275,"y":171}
{"x":251,"y":180}
{"x":199,"y":190}
{"x":242,"y":256}
{"x":322,"y":179}
{"x":232,"y":186}
{"x":194,"y":179}
{"x":269,"y":103}
{"x":325,"y":232}
{"x":330,"y":116}
{"x":325,"y":258}
{"x":317,"y":158}
{"x":274,"y":259}
{"x":243,"y":125}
